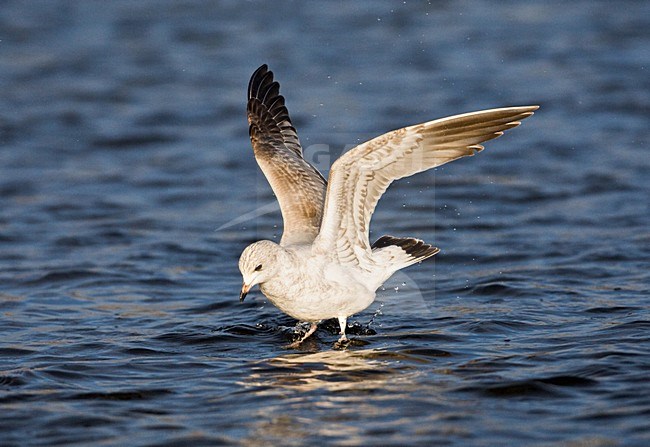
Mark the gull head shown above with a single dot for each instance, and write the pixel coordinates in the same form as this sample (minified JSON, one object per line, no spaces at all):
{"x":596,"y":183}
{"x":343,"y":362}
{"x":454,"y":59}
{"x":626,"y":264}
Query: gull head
{"x":258,"y":263}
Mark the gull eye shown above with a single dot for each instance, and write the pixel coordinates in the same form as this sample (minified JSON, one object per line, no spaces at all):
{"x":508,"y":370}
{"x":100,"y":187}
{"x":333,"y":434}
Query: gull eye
{"x":258,"y":268}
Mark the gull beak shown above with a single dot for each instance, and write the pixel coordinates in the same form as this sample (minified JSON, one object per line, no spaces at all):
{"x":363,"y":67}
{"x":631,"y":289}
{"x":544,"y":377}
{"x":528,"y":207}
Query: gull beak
{"x":244,"y":291}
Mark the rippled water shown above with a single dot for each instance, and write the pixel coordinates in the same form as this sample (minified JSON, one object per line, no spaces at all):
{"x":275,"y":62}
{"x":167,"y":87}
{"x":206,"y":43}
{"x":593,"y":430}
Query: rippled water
{"x":125,"y":148}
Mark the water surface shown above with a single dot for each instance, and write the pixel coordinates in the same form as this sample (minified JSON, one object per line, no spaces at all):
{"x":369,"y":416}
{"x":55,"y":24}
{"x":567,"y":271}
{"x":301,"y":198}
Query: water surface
{"x":124,"y":148}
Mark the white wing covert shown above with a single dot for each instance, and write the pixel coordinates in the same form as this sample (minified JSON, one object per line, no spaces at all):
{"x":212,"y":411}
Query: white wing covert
{"x":358,"y":179}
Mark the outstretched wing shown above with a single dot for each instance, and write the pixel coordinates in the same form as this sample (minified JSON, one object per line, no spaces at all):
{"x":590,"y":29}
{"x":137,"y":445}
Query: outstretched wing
{"x":298,"y":186}
{"x":359,"y":178}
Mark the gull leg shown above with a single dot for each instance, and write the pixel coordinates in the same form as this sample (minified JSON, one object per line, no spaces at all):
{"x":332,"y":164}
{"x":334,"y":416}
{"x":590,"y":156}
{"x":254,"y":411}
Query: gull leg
{"x":343,"y":339}
{"x":343,"y":323}
{"x":298,"y":342}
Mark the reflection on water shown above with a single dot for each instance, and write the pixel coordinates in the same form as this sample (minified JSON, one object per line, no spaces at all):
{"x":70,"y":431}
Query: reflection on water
{"x":333,"y":371}
{"x":337,"y":385}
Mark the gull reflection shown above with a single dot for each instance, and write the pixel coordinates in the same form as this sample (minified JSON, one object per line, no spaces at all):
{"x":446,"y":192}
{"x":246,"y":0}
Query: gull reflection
{"x":332,"y":385}
{"x":327,"y":370}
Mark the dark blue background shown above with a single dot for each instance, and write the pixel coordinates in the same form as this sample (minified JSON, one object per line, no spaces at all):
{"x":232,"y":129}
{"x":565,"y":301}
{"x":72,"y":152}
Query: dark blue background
{"x":124,"y":148}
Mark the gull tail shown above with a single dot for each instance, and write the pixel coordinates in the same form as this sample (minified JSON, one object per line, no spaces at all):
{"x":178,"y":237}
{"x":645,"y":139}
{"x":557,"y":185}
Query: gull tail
{"x":399,"y":252}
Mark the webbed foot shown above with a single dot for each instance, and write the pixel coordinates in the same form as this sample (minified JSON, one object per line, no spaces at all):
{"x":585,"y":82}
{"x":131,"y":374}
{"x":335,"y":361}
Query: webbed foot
{"x":296,"y":344}
{"x":342,"y":343}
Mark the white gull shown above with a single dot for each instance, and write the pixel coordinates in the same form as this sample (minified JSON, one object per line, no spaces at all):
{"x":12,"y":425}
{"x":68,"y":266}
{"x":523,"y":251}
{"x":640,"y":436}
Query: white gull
{"x":324,"y":266}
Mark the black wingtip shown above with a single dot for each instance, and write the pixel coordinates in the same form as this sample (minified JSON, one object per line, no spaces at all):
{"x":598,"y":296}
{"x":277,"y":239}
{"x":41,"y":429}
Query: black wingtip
{"x":414,"y":247}
{"x":265,"y":92}
{"x":262,"y":69}
{"x":256,"y":79}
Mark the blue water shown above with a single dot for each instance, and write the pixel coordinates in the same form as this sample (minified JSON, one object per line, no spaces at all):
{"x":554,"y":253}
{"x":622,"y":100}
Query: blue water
{"x":125,"y":157}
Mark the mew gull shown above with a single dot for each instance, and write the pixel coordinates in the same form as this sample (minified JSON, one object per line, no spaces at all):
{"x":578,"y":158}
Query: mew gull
{"x":325,"y":266}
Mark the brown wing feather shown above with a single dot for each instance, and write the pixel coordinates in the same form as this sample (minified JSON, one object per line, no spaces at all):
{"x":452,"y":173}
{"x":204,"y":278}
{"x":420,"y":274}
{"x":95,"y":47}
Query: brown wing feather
{"x":298,"y":186}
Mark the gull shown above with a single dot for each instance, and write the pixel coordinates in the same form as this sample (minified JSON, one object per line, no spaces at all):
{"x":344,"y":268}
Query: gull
{"x":325,"y":266}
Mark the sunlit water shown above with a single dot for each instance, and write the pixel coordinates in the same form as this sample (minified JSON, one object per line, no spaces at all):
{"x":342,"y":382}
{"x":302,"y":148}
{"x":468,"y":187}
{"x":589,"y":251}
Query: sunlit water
{"x":125,"y":148}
